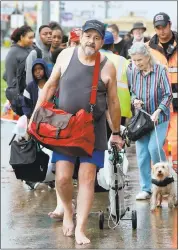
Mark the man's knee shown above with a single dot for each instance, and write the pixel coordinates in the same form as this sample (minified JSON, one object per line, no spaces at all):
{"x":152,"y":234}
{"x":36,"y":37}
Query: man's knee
{"x":64,"y":172}
{"x":63,"y":180}
{"x":87,"y":174}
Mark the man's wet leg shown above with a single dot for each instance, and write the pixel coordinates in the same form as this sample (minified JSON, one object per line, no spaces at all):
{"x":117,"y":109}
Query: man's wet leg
{"x":64,"y":185}
{"x":86,"y":178}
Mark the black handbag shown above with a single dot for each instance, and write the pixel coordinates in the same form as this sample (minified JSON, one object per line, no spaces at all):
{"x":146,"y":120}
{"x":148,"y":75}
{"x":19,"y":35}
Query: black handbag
{"x":28,"y":161}
{"x":139,"y":125}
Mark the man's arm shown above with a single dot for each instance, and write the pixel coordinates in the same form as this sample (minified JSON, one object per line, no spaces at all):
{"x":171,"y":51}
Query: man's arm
{"x":113,"y":105}
{"x":109,"y":120}
{"x":113,"y":100}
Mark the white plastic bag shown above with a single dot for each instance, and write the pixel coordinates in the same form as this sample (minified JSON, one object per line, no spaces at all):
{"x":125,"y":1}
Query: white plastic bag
{"x":20,"y":128}
{"x":105,"y":176}
{"x":51,"y":166}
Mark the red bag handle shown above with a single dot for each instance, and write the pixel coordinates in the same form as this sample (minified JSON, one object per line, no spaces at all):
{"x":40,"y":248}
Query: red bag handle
{"x":95,"y":82}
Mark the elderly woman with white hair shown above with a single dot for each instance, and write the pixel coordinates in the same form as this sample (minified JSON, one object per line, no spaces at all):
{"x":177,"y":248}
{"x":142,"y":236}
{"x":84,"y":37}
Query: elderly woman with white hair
{"x":151,"y":91}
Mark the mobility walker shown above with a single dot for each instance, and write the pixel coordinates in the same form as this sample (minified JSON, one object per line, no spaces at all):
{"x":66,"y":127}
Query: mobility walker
{"x":117,"y":208}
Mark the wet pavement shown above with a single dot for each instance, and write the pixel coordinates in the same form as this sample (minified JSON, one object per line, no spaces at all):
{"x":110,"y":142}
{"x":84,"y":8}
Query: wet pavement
{"x":25,"y":223}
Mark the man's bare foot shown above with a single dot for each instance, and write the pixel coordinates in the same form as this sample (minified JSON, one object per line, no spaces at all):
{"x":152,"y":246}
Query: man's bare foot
{"x":81,"y":238}
{"x":68,"y":225}
{"x":57,"y":213}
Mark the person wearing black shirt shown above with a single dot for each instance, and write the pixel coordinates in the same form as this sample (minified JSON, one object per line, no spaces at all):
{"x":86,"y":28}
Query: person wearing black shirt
{"x":164,"y":47}
{"x":167,"y":46}
{"x":118,"y":41}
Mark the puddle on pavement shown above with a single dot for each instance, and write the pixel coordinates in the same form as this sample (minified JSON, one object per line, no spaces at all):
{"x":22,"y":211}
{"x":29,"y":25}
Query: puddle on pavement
{"x":25,"y":222}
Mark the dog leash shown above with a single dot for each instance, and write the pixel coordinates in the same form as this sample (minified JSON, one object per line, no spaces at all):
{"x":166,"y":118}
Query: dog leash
{"x":156,"y":134}
{"x":157,"y":142}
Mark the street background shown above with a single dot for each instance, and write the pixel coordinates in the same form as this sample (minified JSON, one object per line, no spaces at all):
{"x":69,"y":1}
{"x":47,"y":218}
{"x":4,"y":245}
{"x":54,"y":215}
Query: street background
{"x":25,"y":222}
{"x":24,"y":219}
{"x":74,"y":13}
{"x":70,"y":14}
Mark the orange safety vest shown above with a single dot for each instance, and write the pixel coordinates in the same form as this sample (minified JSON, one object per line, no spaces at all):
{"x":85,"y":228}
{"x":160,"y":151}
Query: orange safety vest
{"x":171,"y":143}
{"x":171,"y":64}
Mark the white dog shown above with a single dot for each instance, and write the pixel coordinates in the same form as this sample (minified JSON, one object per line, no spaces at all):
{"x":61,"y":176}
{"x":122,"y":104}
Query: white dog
{"x":162,"y":184}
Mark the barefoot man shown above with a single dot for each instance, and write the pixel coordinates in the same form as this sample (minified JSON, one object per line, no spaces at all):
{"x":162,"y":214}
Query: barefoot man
{"x":73,"y":72}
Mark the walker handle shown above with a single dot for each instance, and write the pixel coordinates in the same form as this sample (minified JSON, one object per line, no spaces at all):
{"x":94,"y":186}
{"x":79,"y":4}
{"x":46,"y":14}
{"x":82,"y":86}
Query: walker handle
{"x":115,"y":152}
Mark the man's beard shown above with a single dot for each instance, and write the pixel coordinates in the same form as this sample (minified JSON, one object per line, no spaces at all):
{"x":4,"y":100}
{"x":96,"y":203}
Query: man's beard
{"x":89,"y":51}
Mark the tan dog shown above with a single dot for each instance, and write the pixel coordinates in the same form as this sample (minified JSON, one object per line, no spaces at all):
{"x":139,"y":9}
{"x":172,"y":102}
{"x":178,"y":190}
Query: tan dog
{"x":162,"y":184}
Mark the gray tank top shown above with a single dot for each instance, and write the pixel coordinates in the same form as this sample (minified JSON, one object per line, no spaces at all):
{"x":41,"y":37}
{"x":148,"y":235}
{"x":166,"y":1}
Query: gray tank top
{"x":75,"y":89}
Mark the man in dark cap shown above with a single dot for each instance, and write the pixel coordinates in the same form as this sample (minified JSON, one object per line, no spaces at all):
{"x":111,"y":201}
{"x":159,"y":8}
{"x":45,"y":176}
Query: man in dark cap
{"x":164,"y":47}
{"x":74,"y":69}
{"x":137,"y":32}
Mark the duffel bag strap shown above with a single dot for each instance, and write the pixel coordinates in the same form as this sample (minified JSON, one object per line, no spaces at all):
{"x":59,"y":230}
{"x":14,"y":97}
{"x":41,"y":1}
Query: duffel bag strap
{"x":95,"y":82}
{"x":39,"y":146}
{"x":12,"y":139}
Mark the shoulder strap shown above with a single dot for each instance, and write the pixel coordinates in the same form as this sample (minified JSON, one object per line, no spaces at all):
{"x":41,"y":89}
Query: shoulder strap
{"x":39,"y":52}
{"x":95,"y":82}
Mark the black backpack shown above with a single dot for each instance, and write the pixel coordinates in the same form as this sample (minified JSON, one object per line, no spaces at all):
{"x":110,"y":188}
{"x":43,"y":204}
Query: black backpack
{"x":14,"y":93}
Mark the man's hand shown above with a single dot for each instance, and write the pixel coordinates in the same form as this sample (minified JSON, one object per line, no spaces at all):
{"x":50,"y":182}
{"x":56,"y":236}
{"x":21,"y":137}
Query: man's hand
{"x":117,"y":140}
{"x":138,"y":104}
{"x":155,"y":115}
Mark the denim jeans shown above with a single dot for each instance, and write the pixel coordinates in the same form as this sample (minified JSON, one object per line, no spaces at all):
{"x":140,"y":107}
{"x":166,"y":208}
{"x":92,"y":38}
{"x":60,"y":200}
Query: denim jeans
{"x":147,"y":151}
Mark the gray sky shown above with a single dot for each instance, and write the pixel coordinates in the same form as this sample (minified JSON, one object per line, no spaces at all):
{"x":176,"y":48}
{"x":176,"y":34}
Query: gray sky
{"x":117,"y":8}
{"x":122,"y":8}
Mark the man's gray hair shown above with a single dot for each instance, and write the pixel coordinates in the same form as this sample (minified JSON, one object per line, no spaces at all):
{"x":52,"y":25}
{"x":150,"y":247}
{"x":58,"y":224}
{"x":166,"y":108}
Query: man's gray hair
{"x":142,"y":49}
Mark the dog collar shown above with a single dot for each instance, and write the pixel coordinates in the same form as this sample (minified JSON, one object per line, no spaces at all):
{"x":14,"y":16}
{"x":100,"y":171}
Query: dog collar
{"x":163,"y":183}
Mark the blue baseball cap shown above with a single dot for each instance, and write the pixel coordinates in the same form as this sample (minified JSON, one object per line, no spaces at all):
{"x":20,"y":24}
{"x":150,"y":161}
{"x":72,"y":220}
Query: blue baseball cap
{"x":96,"y":25}
{"x":108,"y":38}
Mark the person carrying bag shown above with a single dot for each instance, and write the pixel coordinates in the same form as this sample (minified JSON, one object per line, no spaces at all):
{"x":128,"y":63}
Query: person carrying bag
{"x":64,"y":132}
{"x":151,"y":98}
{"x":73,"y":75}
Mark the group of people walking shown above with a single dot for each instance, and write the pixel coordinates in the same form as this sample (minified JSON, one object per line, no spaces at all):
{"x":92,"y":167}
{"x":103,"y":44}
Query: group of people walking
{"x":147,"y":80}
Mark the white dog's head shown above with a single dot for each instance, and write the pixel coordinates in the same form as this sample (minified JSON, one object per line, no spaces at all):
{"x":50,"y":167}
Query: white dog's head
{"x":160,"y":171}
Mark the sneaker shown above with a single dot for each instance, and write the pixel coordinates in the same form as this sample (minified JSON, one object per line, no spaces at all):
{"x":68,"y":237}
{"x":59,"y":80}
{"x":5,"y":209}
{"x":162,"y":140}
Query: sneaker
{"x":51,"y":184}
{"x":31,"y":184}
{"x":143,"y":195}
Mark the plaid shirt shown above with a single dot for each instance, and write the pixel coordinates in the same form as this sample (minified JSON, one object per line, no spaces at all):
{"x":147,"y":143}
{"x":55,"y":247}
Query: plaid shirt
{"x":153,"y":89}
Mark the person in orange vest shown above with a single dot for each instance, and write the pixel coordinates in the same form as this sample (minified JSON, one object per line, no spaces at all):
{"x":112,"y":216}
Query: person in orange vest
{"x":164,"y":48}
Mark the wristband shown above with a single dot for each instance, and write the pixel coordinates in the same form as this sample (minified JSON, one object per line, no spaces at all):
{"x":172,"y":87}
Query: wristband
{"x":116,"y":133}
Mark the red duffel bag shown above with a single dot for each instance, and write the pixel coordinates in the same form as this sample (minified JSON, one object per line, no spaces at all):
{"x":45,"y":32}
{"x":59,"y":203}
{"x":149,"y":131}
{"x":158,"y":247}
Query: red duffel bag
{"x":63,"y":132}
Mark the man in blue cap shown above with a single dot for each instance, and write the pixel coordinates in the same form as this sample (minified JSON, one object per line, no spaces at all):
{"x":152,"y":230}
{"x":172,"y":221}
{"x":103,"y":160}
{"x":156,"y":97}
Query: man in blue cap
{"x":74,"y":72}
{"x":121,"y":65}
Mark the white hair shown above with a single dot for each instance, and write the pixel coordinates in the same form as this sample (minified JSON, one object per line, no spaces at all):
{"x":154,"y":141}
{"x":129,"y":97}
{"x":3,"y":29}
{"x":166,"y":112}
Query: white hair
{"x":142,"y":49}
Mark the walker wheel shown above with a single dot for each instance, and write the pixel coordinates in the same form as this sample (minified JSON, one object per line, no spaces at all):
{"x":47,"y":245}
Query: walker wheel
{"x":101,"y":220}
{"x":134,"y":219}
